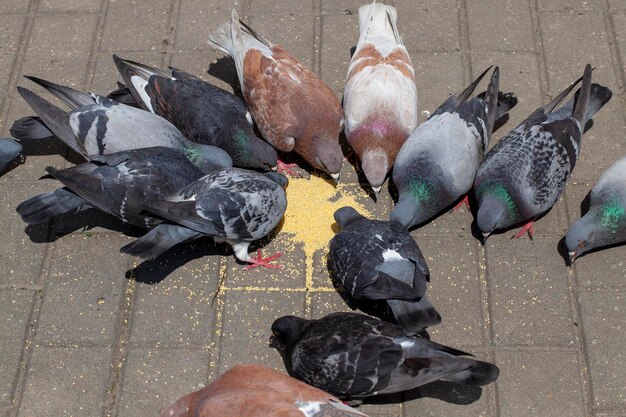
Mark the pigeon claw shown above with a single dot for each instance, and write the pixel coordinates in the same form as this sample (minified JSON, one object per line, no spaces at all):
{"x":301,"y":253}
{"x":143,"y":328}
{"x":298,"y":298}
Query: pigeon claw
{"x":460,"y":204}
{"x":528,"y":227}
{"x":284,"y":168}
{"x":264,"y":262}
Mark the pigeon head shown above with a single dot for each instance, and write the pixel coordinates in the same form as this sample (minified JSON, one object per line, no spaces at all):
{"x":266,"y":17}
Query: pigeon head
{"x":414,"y":207}
{"x":328,"y":155}
{"x":288,"y":330}
{"x":602,"y":225}
{"x":10,"y":151}
{"x":491,"y":215}
{"x":345,"y":216}
{"x":279,"y":179}
{"x":208,"y":158}
{"x":254,"y":151}
{"x":375,"y":165}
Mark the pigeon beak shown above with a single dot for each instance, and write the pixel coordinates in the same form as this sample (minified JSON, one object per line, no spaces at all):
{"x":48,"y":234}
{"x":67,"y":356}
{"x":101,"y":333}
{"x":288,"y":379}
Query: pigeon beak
{"x":485,"y":236}
{"x":335,"y":176}
{"x":274,"y":168}
{"x":377,"y":189}
{"x":572,"y":256}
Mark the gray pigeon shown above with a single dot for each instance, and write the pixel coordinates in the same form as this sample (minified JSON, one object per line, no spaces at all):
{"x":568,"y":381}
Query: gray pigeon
{"x":98,"y":125}
{"x":353,"y":355}
{"x":232,"y":205}
{"x":438,"y":162}
{"x":118,"y":184}
{"x":605,"y":222}
{"x":379,"y":260}
{"x":203,"y":112}
{"x":523,"y":175}
{"x":10,"y":153}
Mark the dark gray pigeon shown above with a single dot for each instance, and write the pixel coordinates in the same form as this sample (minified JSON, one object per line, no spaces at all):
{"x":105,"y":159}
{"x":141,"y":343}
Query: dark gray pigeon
{"x":203,"y":112}
{"x":10,"y":153}
{"x":232,"y":205}
{"x":352,"y":355}
{"x":98,"y":125}
{"x":379,"y":260}
{"x":438,"y":162}
{"x":523,"y":175}
{"x":605,"y":222}
{"x":118,"y":184}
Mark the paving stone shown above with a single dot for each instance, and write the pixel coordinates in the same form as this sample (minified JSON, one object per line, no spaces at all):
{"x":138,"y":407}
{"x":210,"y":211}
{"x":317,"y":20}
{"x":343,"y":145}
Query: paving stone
{"x":611,"y":414}
{"x":74,"y":6}
{"x":617,"y":5}
{"x":14,"y":6}
{"x":619,"y":23}
{"x":293,"y":32}
{"x":564,"y":33}
{"x":602,"y":315}
{"x":437,"y":77}
{"x":528,"y":281}
{"x":106,"y":74}
{"x":12,"y":27}
{"x":340,"y":33}
{"x":153,"y":17}
{"x":455,"y":289}
{"x":526,"y":389}
{"x":178,"y":310}
{"x":263,"y":7}
{"x":568,"y":5}
{"x":328,"y":302}
{"x":156,"y":378}
{"x":195,"y":14}
{"x":431,"y":26}
{"x":448,"y":222}
{"x":513,"y":32}
{"x":85,"y":284}
{"x":22,"y":258}
{"x":247,"y":322}
{"x":15,"y":307}
{"x":347,"y":7}
{"x":57,"y":54}
{"x":66,"y":382}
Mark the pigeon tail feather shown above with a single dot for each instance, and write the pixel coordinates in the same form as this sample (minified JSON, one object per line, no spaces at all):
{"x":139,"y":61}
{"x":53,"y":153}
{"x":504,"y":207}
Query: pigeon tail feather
{"x":478,"y":374}
{"x":30,"y":128}
{"x":43,"y":207}
{"x":159,"y":240}
{"x":378,"y":19}
{"x":73,"y":98}
{"x":136,"y":77}
{"x":491,"y":99}
{"x":415,"y":316}
{"x":580,"y":107}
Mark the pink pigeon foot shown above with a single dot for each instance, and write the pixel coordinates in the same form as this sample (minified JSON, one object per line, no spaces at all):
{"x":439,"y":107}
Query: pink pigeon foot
{"x":464,"y":201}
{"x":528,"y":227}
{"x":264,"y":262}
{"x":284,"y":168}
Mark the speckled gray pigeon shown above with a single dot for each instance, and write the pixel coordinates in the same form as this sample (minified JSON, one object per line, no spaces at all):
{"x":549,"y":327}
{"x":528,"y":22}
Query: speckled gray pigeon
{"x":523,"y":175}
{"x":379,"y":260}
{"x":353,"y":355}
{"x":605,"y":222}
{"x":118,"y":184}
{"x":203,"y":112}
{"x":438,"y":162}
{"x":232,"y":205}
{"x":98,"y":125}
{"x":10,"y":153}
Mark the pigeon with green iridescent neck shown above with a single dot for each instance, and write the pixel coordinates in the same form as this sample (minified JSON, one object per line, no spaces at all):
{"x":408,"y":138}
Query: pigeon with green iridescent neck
{"x":438,"y":162}
{"x":524,"y":174}
{"x":605,"y":222}
{"x":203,"y":112}
{"x":97,"y":126}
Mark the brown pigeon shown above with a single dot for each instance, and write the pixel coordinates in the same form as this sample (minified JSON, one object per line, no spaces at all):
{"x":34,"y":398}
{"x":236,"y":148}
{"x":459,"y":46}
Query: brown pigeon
{"x":380,"y":98}
{"x":291,"y":106}
{"x":257,"y":391}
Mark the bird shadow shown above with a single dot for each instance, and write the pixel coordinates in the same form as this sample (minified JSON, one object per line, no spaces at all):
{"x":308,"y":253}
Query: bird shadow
{"x":224,"y":69}
{"x":154,"y":271}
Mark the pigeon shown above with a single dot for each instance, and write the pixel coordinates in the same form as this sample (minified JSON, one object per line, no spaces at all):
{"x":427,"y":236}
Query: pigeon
{"x":257,"y":391}
{"x":292,"y":107}
{"x":10,"y":153}
{"x":438,"y":163}
{"x":522,"y":176}
{"x":352,"y":355}
{"x":117,"y":183}
{"x":98,"y":125}
{"x":232,"y":205}
{"x":380,"y":97}
{"x":203,"y":112}
{"x":379,"y":260}
{"x":605,"y":222}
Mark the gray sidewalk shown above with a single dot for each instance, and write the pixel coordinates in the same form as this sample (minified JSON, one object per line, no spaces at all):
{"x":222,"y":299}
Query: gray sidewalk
{"x":86,"y":331}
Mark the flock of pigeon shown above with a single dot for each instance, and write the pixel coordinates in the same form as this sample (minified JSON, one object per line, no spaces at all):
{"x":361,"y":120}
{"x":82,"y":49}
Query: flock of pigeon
{"x":172,"y":154}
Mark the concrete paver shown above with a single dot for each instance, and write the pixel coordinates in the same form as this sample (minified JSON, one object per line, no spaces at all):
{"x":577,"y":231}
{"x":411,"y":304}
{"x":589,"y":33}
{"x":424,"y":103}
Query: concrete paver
{"x":87,"y":331}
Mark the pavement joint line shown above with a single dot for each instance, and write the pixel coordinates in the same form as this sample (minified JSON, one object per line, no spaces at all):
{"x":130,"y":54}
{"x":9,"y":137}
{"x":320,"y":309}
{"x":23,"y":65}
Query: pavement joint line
{"x":616,"y":60}
{"x":542,"y":70}
{"x":278,"y":289}
{"x":95,"y":45}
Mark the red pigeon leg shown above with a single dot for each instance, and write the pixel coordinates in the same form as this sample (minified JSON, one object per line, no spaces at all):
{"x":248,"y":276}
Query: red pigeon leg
{"x":264,"y":262}
{"x":284,"y":168}
{"x":464,"y":201}
{"x":528,"y":227}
